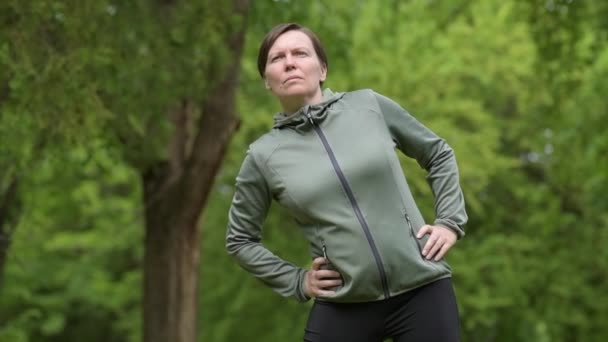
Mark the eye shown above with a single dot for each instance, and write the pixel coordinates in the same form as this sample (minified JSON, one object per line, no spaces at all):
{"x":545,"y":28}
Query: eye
{"x":275,"y":58}
{"x":301,"y":53}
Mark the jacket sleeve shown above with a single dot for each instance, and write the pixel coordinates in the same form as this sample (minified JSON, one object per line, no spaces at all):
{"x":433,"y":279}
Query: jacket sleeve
{"x":435,"y":156}
{"x":250,"y":205}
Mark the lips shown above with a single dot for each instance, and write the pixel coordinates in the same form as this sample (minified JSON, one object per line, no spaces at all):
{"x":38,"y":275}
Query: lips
{"x":292,"y":78}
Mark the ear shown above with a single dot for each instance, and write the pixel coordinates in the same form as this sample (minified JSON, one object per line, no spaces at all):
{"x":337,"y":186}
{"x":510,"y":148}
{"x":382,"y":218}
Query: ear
{"x":323,"y":73}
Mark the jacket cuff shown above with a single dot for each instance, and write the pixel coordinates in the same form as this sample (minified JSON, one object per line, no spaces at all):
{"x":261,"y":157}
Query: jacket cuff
{"x":300,"y":295}
{"x":451,"y":225}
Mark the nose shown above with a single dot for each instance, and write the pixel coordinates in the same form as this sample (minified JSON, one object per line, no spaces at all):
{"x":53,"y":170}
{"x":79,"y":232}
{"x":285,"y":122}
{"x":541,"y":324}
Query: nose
{"x":289,"y":62}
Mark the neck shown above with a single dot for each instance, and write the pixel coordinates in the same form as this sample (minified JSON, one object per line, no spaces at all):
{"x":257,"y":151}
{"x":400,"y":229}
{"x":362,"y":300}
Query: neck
{"x":291,"y":105}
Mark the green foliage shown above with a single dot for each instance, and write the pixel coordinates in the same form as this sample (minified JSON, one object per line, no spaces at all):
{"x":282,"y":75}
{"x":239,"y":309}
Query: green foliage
{"x":517,"y":88}
{"x":75,"y":257}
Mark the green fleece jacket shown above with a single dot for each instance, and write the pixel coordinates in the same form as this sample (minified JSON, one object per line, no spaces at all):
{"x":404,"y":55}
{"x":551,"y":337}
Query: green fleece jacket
{"x":334,"y":166}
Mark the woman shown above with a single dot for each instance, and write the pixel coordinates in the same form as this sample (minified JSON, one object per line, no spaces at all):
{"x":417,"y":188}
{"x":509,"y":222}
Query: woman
{"x":378,"y":269}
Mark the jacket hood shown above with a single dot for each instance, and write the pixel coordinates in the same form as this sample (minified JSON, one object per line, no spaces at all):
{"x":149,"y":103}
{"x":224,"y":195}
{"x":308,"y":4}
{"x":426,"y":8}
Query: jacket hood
{"x":299,"y":119}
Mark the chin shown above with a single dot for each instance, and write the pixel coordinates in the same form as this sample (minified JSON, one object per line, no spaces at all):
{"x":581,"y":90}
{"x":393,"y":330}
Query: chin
{"x":292,"y":95}
{"x":296,"y":91}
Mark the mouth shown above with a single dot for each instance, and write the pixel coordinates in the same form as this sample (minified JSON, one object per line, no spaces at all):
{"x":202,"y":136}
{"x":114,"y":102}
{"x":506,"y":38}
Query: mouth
{"x":291,"y":78}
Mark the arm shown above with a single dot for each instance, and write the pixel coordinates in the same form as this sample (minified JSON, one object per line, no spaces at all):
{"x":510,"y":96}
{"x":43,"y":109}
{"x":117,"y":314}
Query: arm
{"x":435,"y":156}
{"x":246,"y":216}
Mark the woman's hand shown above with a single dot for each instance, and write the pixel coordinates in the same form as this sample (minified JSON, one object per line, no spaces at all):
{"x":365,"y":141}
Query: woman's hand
{"x":441,"y":239}
{"x":317,"y":280}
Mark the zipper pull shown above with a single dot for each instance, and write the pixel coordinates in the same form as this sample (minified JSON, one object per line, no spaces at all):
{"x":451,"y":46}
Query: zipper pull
{"x":310,"y":119}
{"x":407,"y":218}
{"x":324,"y":251}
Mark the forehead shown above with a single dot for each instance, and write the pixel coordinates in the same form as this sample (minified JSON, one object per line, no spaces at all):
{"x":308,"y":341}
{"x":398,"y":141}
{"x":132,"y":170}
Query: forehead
{"x":291,"y":40}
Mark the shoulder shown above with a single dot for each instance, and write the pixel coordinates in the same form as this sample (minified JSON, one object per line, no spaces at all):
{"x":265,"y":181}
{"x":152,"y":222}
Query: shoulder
{"x":366,"y":95}
{"x":364,"y":98}
{"x":264,"y":146}
{"x":359,"y":94}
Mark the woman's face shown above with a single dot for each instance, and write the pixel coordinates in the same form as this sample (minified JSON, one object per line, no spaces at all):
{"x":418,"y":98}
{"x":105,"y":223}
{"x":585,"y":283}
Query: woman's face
{"x":293,"y":70}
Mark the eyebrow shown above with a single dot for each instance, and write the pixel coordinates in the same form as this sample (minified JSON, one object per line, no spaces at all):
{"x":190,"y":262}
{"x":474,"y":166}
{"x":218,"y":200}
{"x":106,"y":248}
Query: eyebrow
{"x":273,"y":53}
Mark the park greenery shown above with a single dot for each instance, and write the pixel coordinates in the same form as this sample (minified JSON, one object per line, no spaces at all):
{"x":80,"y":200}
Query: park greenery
{"x":90,"y":93}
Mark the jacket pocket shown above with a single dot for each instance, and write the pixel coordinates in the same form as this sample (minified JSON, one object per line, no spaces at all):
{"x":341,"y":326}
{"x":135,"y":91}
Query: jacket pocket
{"x":330,"y":266}
{"x":414,"y":238}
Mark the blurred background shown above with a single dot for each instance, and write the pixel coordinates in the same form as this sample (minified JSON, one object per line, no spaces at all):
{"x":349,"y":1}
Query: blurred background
{"x":96,"y":95}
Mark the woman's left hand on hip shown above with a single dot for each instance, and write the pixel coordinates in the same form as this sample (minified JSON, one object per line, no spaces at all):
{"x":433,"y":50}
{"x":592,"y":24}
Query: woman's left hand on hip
{"x":441,"y":239}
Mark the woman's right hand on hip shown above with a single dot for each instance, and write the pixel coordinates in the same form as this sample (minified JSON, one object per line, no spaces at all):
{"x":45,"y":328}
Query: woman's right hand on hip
{"x":317,"y":280}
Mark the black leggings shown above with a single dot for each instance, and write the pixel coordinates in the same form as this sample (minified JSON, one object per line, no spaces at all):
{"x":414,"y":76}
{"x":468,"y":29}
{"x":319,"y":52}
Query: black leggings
{"x":426,"y":314}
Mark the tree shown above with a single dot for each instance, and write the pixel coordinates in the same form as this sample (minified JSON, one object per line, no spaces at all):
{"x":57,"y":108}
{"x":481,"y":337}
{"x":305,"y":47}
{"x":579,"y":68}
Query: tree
{"x":176,"y":191}
{"x":81,"y":71}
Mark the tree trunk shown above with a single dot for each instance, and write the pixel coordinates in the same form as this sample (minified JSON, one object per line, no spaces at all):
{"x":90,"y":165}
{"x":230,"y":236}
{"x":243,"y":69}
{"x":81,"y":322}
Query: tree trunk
{"x":171,"y":272}
{"x":175,"y":193}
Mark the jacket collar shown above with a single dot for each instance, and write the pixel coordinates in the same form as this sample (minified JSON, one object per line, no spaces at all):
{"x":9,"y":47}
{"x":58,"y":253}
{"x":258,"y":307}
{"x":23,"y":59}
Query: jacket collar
{"x":299,"y":119}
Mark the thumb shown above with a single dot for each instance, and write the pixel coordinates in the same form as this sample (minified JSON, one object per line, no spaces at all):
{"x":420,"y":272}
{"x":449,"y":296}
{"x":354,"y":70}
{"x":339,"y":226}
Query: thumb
{"x":426,"y":229}
{"x":317,"y":262}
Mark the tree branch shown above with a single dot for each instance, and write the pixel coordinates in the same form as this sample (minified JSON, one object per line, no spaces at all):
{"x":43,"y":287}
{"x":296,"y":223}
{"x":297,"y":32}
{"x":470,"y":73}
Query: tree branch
{"x":181,"y":118}
{"x":217,"y":124}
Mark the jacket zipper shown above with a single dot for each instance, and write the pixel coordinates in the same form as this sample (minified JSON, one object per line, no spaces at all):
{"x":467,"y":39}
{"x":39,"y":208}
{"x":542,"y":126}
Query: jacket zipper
{"x":327,"y":265}
{"x":354,"y":204}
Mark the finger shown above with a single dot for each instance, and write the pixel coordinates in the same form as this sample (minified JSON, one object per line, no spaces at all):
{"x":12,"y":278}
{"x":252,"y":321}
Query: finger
{"x":430,"y":244}
{"x":329,"y":283}
{"x":317,"y":262}
{"x":326,"y":274}
{"x":436,"y":247}
{"x":426,"y":229}
{"x":444,"y":249}
{"x":325,"y":293}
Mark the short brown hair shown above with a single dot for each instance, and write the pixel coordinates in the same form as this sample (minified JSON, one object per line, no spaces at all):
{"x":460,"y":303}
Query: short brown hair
{"x":276,"y":32}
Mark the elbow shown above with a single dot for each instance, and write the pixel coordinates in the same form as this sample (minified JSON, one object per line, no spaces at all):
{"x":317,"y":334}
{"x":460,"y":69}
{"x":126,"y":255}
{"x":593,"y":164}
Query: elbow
{"x":232,"y":247}
{"x":236,"y":244}
{"x":444,"y":154}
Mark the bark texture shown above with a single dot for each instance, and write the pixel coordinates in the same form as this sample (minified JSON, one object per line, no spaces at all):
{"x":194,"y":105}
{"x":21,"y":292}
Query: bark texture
{"x":175,"y":193}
